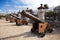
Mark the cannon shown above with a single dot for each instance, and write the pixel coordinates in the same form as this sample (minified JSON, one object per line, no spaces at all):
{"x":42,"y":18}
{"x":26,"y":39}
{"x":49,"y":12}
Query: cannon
{"x":2,"y":16}
{"x":7,"y":17}
{"x":12,"y":19}
{"x":20,"y":21}
{"x":39,"y":27}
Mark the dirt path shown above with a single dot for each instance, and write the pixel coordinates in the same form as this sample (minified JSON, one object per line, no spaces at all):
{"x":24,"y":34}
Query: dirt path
{"x":9,"y":31}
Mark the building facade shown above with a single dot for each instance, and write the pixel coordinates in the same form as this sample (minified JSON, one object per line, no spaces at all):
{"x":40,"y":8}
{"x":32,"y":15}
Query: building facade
{"x":57,"y":10}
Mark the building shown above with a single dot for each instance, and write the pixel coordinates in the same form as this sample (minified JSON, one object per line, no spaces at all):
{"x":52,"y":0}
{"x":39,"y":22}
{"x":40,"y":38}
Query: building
{"x":41,"y":12}
{"x":57,"y":10}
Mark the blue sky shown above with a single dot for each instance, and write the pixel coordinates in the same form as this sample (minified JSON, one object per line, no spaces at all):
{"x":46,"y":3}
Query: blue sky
{"x":9,"y":5}
{"x":15,"y":5}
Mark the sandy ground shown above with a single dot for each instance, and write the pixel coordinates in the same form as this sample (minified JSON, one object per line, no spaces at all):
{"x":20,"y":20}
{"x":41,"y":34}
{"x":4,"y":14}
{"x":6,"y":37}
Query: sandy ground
{"x":9,"y":31}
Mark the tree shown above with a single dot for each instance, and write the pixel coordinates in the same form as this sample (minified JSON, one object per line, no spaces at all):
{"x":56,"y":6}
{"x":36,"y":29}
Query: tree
{"x":51,"y":14}
{"x":31,"y":12}
{"x":46,"y":6}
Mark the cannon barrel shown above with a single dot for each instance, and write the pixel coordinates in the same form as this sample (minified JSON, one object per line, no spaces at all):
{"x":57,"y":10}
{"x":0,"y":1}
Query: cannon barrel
{"x":26,"y":14}
{"x":15,"y":16}
{"x":31,"y":16}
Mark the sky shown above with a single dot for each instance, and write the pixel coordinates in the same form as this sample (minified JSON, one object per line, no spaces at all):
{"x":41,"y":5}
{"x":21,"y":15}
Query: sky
{"x":7,"y":6}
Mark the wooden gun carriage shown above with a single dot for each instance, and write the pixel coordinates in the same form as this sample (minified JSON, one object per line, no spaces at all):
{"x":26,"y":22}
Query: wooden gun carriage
{"x":20,"y":21}
{"x":2,"y":16}
{"x":38,"y":26}
{"x":10,"y":18}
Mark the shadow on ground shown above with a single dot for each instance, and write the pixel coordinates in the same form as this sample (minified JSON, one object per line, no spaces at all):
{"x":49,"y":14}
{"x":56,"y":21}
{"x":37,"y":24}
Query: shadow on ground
{"x":8,"y":25}
{"x":13,"y":25}
{"x":27,"y":34}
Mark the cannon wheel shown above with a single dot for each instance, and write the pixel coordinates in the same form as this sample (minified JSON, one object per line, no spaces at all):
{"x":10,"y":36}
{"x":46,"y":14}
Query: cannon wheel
{"x":34,"y":27}
{"x":41,"y":34}
{"x":26,"y":23}
{"x":11,"y":21}
{"x":17,"y":23}
{"x":50,"y":30}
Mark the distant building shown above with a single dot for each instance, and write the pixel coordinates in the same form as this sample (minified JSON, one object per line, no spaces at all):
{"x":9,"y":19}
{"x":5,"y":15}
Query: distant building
{"x":41,"y":12}
{"x":57,"y":10}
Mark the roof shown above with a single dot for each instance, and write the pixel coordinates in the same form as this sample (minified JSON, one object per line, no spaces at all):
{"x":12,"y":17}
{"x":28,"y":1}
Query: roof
{"x":40,"y":8}
{"x":57,"y":8}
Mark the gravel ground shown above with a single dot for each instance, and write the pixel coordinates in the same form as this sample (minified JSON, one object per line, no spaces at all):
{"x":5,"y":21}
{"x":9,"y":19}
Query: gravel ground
{"x":9,"y":31}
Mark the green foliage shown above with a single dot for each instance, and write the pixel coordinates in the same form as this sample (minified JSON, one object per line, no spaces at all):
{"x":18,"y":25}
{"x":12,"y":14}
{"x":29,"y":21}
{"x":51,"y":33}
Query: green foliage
{"x":31,"y":11}
{"x":46,"y":6}
{"x":50,"y":14}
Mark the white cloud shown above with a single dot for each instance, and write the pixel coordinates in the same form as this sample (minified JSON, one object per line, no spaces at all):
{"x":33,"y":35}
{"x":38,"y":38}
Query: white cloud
{"x":24,"y":7}
{"x":10,"y":10}
{"x":1,"y":11}
{"x":20,"y":6}
{"x":31,"y":4}
{"x":16,"y":1}
{"x":7,"y":5}
{"x":36,"y":3}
